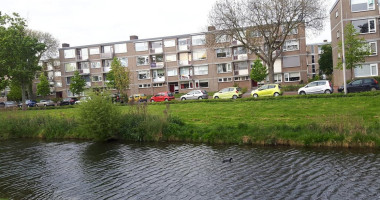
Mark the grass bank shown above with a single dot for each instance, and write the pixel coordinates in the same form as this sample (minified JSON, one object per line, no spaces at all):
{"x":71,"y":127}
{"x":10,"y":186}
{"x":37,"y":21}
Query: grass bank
{"x":323,"y":120}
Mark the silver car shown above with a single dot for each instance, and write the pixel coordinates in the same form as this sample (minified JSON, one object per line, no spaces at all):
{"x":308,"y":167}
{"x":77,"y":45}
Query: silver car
{"x":317,"y":87}
{"x":45,"y":103}
{"x":195,"y":94}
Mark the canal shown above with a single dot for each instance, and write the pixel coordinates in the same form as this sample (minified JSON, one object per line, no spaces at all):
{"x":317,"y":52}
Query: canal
{"x":33,"y":169}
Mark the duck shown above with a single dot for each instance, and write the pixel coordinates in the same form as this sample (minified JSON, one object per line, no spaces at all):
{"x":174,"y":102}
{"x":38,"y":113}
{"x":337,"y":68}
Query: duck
{"x":227,"y":160}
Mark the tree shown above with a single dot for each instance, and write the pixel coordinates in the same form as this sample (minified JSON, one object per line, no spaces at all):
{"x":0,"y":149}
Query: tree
{"x":258,"y":71}
{"x":43,"y":88}
{"x":77,"y":84}
{"x":15,"y":92}
{"x":262,"y":26}
{"x":356,"y":48}
{"x":325,"y":61}
{"x":18,"y":52}
{"x":118,"y":77}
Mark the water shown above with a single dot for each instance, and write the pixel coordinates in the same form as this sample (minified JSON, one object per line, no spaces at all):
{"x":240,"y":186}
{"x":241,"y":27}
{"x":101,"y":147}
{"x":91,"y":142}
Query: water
{"x":31,"y":169}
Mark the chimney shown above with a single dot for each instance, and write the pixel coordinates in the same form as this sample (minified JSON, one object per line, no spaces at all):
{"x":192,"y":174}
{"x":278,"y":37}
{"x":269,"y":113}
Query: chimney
{"x":133,"y":37}
{"x":324,"y":40}
{"x":65,"y":45}
{"x":211,"y":28}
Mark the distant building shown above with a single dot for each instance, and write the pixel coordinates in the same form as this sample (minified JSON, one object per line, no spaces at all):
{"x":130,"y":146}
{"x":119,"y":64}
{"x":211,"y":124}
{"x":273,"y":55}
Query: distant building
{"x":364,"y":15}
{"x":314,"y":52}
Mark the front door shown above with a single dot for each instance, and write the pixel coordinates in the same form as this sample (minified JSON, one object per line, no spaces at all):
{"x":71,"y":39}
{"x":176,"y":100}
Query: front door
{"x":171,"y":88}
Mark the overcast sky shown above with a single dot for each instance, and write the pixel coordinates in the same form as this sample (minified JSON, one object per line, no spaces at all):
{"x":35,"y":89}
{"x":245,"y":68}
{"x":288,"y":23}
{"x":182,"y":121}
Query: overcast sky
{"x":83,"y":22}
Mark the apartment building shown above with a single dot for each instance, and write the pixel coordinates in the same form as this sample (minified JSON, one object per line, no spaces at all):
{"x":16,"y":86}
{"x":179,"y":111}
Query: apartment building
{"x":314,"y":52}
{"x":177,"y":63}
{"x":52,"y":68}
{"x":364,"y":15}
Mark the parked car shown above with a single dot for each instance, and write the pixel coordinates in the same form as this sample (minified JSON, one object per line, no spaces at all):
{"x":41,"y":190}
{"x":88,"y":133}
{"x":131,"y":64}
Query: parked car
{"x":68,"y":101}
{"x":82,"y":99}
{"x":28,"y":103}
{"x":361,"y":85}
{"x":228,"y":93}
{"x":45,"y":103}
{"x":267,"y":90}
{"x":162,"y":96}
{"x":138,"y":98}
{"x":317,"y":87}
{"x":10,"y":104}
{"x":2,"y":104}
{"x":117,"y":98}
{"x":195,"y":94}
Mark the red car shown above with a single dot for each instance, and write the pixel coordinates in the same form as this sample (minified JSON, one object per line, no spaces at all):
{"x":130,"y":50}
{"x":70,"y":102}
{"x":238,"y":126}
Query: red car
{"x":162,"y":96}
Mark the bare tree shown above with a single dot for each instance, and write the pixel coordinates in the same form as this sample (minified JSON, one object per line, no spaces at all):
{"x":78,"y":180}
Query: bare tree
{"x":262,"y":26}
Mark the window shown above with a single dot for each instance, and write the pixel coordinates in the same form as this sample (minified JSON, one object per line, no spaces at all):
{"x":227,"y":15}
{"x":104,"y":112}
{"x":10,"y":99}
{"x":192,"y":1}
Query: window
{"x":373,"y":47}
{"x":68,"y":80}
{"x":241,"y":78}
{"x":141,"y":46}
{"x":146,"y":85}
{"x":172,"y":72}
{"x":291,"y":45}
{"x":198,"y":40}
{"x":170,"y":57}
{"x":255,"y":34}
{"x":106,"y":63}
{"x":336,"y":13}
{"x":224,"y":68}
{"x":201,"y":70}
{"x":337,"y":34}
{"x":144,"y":75}
{"x":223,"y":52}
{"x":121,"y":48}
{"x":366,"y":70}
{"x":199,"y":54}
{"x":70,"y":67}
{"x":293,"y":31}
{"x":142,"y":60}
{"x":312,"y":59}
{"x":240,"y":68}
{"x":94,"y":51}
{"x":221,"y":38}
{"x":58,"y":84}
{"x":124,"y":62}
{"x":362,"y":5}
{"x":57,"y":73}
{"x":201,"y":84}
{"x":106,"y":49}
{"x":183,"y":44}
{"x":291,"y":61}
{"x":95,"y":64}
{"x":158,"y":84}
{"x":277,"y":78}
{"x":96,"y":78}
{"x":224,"y":79}
{"x":240,"y":50}
{"x":159,"y":73}
{"x":292,"y":76}
{"x":365,"y":25}
{"x":169,"y":43}
{"x":185,"y":72}
{"x":69,"y":53}
{"x":187,"y":85}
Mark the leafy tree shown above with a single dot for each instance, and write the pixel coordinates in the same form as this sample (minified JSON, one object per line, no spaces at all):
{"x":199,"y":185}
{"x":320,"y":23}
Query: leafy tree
{"x":118,"y":76}
{"x":18,"y":52}
{"x":356,"y":48}
{"x":15,"y":92}
{"x":258,"y":71}
{"x":326,"y":61}
{"x":43,"y":87}
{"x":77,"y":84}
{"x":263,"y":26}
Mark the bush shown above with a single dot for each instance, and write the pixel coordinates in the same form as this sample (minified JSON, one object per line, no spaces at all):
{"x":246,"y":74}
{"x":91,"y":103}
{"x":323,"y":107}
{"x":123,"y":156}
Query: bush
{"x":99,"y":118}
{"x":291,"y":87}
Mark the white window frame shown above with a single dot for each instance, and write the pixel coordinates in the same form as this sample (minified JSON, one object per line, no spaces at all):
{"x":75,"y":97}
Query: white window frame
{"x":75,"y":68}
{"x":144,"y":85}
{"x":147,"y":72}
{"x":368,"y":6}
{"x":94,"y":51}
{"x":201,"y":81}
{"x":287,"y":77}
{"x":95,"y":64}
{"x":146,"y":58}
{"x":172,"y":70}
{"x":198,"y":40}
{"x":144,"y":46}
{"x":292,"y":43}
{"x":228,"y":68}
{"x":370,"y":45}
{"x":169,"y":43}
{"x":198,"y":52}
{"x":241,"y":78}
{"x":224,"y":79}
{"x":170,"y":56}
{"x":371,"y":66}
{"x":337,"y":13}
{"x":158,"y":85}
{"x":57,"y":73}
{"x":58,"y":84}
{"x":200,"y":72}
{"x":277,"y":78}
{"x":99,"y":78}
{"x":123,"y":58}
{"x":121,"y":48}
{"x":223,"y":50}
{"x":69,"y":53}
{"x":190,"y":84}
{"x":369,"y":26}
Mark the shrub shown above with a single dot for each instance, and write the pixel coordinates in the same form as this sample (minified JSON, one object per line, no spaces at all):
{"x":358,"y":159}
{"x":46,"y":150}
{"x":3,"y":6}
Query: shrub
{"x":99,"y":118}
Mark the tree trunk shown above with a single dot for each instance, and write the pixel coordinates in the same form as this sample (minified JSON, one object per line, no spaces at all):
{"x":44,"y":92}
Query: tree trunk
{"x":271,"y":71}
{"x":30,"y":91}
{"x":23,"y":97}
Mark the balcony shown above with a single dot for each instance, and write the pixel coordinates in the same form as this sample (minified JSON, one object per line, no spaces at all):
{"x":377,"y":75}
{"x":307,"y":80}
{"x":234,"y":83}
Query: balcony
{"x":49,"y":68}
{"x":185,"y":77}
{"x":159,"y":79}
{"x":236,"y":43}
{"x":88,"y":84}
{"x":184,"y":47}
{"x":240,"y":57}
{"x":84,"y":71}
{"x":108,"y":55}
{"x":106,"y":69}
{"x":157,"y":65}
{"x":81,"y":58}
{"x":242,"y":72}
{"x":52,"y":89}
{"x":155,"y":51}
{"x":184,"y":62}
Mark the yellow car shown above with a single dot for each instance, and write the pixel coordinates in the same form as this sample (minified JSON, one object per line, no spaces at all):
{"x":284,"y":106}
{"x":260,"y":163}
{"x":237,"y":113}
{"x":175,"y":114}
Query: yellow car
{"x":267,"y":90}
{"x":228,"y":93}
{"x":138,"y":98}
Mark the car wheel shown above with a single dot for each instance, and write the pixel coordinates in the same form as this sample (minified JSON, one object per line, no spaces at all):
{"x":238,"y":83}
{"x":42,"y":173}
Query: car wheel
{"x":183,"y":99}
{"x":200,"y":98}
{"x":255,"y":95}
{"x":216,"y":97}
{"x":152,"y":100}
{"x":327,"y":92}
{"x":302,"y":93}
{"x":373,"y":89}
{"x":45,"y":105}
{"x":234,"y":97}
{"x":36,"y":105}
{"x":276,"y":94}
{"x":166,"y":99}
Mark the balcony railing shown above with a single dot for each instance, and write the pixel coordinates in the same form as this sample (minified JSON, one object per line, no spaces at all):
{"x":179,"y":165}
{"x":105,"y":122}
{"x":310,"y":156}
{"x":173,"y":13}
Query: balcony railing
{"x":241,"y":72}
{"x":84,"y":71}
{"x":106,"y":69}
{"x":240,"y":57}
{"x":157,"y":65}
{"x":88,"y":84}
{"x":159,"y":79}
{"x":236,"y":43}
{"x":184,"y":47}
{"x":52,"y":89}
{"x":156,"y":50}
{"x":185,"y":77}
{"x":106,"y":55}
{"x":184,"y":62}
{"x":81,"y":58}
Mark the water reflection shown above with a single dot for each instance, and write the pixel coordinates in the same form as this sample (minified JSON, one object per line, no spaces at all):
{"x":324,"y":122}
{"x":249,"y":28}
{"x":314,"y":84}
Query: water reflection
{"x":86,"y":170}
